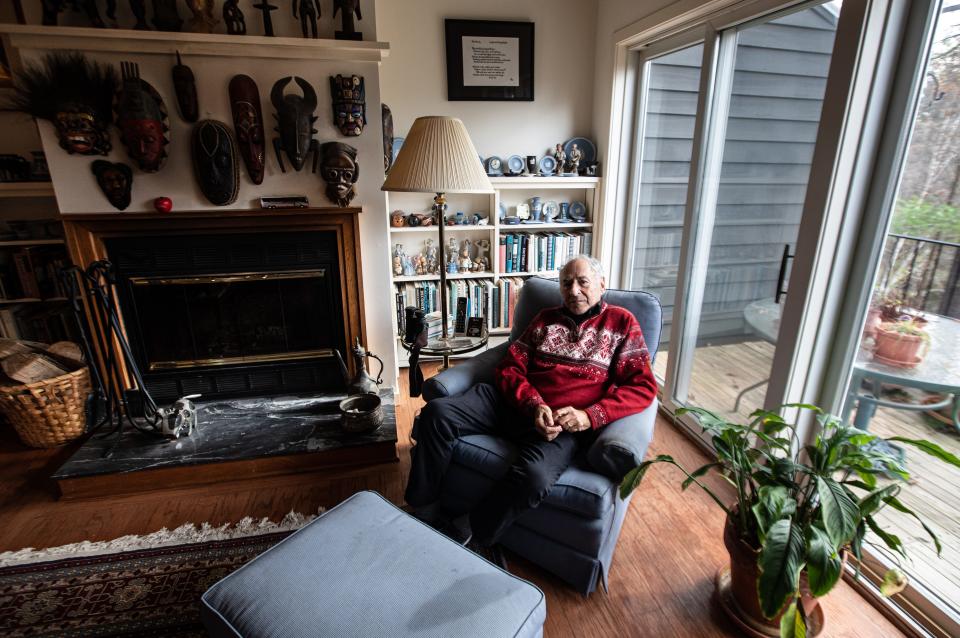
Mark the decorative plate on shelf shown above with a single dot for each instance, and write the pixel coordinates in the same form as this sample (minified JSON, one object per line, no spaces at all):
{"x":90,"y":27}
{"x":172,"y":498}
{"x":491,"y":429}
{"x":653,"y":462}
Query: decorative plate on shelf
{"x":550,"y":210}
{"x":494,"y":166}
{"x":515,"y":164}
{"x":578,"y":212}
{"x":523,"y":211}
{"x":548,"y":164}
{"x":584,"y":145}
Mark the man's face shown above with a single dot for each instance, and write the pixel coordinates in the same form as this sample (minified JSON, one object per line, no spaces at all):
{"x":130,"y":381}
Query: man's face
{"x":580,"y":287}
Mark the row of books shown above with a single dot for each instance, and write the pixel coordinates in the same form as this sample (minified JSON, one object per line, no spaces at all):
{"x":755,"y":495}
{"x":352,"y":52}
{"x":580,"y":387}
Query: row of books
{"x":33,"y":272}
{"x":43,"y":323}
{"x":541,"y":252}
{"x":485,"y":298}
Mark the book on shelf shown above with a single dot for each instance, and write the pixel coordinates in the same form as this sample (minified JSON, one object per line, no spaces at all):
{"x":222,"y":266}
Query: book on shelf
{"x":426,"y":296}
{"x":39,"y":323}
{"x":33,"y":272}
{"x":540,"y":252}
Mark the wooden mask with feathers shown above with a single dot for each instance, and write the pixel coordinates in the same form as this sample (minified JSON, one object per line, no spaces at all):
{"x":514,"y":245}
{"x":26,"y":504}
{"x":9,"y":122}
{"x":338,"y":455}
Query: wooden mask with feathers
{"x":72,"y":92}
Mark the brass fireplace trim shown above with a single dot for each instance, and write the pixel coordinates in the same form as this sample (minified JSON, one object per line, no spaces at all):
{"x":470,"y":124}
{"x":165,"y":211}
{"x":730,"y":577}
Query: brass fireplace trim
{"x":323,"y":353}
{"x":226,"y":278}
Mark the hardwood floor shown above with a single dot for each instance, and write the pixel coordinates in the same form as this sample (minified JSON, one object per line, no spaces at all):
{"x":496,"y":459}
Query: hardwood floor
{"x":661,"y":581}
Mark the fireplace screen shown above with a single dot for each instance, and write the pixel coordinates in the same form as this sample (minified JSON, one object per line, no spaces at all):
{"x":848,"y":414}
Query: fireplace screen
{"x":234,"y":318}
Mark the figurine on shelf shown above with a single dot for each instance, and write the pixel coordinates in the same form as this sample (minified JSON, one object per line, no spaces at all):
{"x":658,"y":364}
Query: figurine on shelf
{"x":397,"y":219}
{"x":575,"y":156}
{"x":165,"y":15}
{"x":452,"y":255}
{"x":309,"y":12}
{"x":561,"y":158}
{"x":73,"y":93}
{"x":349,"y":98}
{"x":408,"y":268}
{"x":53,"y":7}
{"x":398,"y":256}
{"x":233,"y":18}
{"x":347,"y":9}
{"x":265,"y":9}
{"x":340,"y":170}
{"x":295,"y":120}
{"x":139,"y":10}
{"x":466,"y":263}
{"x":483,"y":252}
{"x":431,"y":257}
{"x":420,"y":264}
{"x":203,"y":19}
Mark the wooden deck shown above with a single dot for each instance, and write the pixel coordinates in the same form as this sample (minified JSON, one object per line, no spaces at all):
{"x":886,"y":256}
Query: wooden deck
{"x":720,"y":372}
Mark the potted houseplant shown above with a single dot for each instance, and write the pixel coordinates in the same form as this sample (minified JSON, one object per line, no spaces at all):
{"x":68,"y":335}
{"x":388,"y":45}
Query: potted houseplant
{"x":799,"y":509}
{"x":899,"y":343}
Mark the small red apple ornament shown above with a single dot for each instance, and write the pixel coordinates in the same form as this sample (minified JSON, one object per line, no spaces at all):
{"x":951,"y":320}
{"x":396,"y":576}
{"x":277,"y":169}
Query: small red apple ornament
{"x":163,"y":204}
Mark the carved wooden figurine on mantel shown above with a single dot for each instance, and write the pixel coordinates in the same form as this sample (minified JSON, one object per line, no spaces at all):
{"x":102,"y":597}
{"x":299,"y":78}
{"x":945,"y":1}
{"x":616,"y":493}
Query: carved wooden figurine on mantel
{"x":265,"y":9}
{"x":309,"y":12}
{"x":347,"y":9}
{"x":233,"y":18}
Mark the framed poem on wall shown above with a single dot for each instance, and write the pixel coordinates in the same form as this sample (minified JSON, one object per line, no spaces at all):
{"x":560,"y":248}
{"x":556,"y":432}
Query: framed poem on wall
{"x":489,"y":60}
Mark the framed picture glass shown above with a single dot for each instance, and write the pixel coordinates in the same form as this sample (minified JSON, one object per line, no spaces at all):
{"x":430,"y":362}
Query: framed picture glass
{"x":489,"y":60}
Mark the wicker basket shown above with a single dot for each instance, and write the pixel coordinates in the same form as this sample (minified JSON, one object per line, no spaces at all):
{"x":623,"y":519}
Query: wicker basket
{"x":47,"y":413}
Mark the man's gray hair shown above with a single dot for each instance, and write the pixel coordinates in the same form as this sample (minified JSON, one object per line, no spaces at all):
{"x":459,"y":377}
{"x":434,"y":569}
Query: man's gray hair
{"x":594,"y":264}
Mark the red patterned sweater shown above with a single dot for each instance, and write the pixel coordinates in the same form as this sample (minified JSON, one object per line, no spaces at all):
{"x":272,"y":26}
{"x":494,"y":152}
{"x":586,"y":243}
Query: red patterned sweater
{"x":601,"y":366}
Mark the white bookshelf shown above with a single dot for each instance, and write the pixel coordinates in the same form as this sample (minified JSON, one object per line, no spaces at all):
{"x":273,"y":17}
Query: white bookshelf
{"x":508,"y":191}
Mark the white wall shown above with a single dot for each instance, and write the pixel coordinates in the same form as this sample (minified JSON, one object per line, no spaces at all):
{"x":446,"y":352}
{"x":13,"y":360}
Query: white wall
{"x":414,"y":76}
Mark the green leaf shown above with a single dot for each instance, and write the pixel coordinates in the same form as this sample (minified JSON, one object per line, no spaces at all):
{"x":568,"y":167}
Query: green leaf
{"x":781,"y":559}
{"x":871,"y":502}
{"x":839,"y":513}
{"x":896,"y":504}
{"x":773,"y":503}
{"x":697,"y":473}
{"x":894,"y":582}
{"x":891,"y":540}
{"x":792,"y":623}
{"x":632,"y":479}
{"x":823,"y":562}
{"x":930,"y":448}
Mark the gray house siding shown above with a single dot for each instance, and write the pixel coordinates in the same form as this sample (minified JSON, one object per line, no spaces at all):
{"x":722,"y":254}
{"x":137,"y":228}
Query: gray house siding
{"x":781,"y":70}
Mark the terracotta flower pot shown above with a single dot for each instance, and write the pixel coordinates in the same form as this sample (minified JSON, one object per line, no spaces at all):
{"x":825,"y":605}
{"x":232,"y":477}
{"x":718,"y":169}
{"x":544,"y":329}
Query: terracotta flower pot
{"x":874,"y":319}
{"x":744,"y":572}
{"x":899,"y":349}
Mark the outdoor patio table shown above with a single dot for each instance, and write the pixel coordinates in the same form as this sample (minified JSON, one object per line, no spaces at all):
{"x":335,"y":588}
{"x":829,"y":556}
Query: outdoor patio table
{"x":938,"y":372}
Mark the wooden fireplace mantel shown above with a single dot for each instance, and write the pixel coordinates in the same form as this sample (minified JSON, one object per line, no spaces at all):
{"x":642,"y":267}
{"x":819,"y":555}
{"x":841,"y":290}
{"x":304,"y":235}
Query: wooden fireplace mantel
{"x":85,"y":235}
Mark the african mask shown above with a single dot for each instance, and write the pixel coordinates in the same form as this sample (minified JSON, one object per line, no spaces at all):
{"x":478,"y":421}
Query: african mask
{"x":340,"y":170}
{"x":387,"y":117}
{"x":186,"y":88}
{"x":215,"y":162}
{"x":142,"y":118}
{"x":115,"y":180}
{"x":349,"y":104}
{"x":74,"y":94}
{"x":295,"y":120}
{"x":248,"y":123}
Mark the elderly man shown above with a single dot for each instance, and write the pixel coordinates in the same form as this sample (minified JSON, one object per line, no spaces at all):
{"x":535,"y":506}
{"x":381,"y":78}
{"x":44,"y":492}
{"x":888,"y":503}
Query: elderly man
{"x":576,"y":368}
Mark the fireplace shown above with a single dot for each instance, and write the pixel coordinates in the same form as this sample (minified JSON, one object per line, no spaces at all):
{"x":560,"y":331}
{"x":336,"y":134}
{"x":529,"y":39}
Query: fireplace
{"x":246,"y":304}
{"x":232,"y":314}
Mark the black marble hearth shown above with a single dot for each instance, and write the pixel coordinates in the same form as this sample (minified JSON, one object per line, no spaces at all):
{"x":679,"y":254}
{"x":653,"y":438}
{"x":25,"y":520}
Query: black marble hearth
{"x":233,"y":430}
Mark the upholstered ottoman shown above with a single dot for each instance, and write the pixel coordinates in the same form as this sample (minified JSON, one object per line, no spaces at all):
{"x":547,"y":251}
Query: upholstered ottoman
{"x":367,"y":569}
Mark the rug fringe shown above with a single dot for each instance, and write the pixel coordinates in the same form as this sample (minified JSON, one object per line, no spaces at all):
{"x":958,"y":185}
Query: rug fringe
{"x":183,"y":535}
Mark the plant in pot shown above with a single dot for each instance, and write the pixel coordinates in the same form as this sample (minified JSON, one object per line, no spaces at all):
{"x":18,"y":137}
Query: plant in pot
{"x":799,"y":510}
{"x":902,"y":343}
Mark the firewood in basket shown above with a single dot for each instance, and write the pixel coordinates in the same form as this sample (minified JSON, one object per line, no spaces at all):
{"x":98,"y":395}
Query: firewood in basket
{"x":31,"y":367}
{"x":19,"y":346}
{"x":67,"y":352}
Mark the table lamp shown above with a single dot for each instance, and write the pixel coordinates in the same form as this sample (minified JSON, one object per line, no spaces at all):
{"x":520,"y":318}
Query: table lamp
{"x":438,"y":157}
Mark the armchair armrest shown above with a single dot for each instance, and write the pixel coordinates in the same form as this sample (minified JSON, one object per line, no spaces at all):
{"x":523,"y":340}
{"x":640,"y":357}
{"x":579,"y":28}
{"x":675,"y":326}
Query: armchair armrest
{"x":621,"y":445}
{"x":478,"y":369}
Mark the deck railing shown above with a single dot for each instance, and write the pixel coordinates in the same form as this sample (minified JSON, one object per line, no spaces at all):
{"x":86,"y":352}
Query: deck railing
{"x":923,"y":273}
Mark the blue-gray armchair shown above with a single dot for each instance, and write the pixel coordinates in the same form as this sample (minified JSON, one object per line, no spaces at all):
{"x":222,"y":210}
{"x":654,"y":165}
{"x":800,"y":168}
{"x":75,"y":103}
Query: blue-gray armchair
{"x":574,"y":531}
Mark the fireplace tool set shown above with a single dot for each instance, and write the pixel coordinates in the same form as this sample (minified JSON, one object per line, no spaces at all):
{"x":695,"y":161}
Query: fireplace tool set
{"x":111,"y":406}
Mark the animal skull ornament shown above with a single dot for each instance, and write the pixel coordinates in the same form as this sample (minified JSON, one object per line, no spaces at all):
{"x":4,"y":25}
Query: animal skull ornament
{"x":142,"y":118}
{"x":349,"y":104}
{"x":74,"y":94}
{"x":215,"y":162}
{"x":115,"y":180}
{"x":180,"y":419}
{"x":340,"y":170}
{"x":295,"y":120}
{"x":248,"y":123}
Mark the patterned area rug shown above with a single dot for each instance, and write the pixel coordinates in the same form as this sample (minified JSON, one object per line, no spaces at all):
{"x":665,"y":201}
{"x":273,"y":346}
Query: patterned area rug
{"x":148,"y":593}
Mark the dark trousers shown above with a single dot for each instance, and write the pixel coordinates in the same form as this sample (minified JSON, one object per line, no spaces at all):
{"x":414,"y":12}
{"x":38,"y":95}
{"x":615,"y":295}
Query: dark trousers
{"x":481,"y":410}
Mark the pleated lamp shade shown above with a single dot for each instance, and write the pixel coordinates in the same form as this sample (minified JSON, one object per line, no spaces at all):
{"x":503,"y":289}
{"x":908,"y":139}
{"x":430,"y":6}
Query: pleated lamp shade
{"x":437,"y":156}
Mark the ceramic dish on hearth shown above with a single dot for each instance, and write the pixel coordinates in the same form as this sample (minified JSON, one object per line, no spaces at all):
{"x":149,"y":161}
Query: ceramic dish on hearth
{"x":494,"y":166}
{"x":548,"y":164}
{"x":578,"y":212}
{"x":515,"y":164}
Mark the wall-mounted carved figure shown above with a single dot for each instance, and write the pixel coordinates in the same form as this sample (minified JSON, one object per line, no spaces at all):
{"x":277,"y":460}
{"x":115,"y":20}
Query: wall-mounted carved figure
{"x":309,"y":12}
{"x":347,"y":9}
{"x":215,"y":162}
{"x":233,"y":18}
{"x":115,"y":179}
{"x":265,"y":9}
{"x":73,"y":93}
{"x":142,"y":118}
{"x":248,"y":123}
{"x":340,"y":170}
{"x":139,"y":10}
{"x":295,"y":120}
{"x":349,"y":104}
{"x":52,"y":8}
{"x":185,"y":87}
{"x":203,"y":20}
